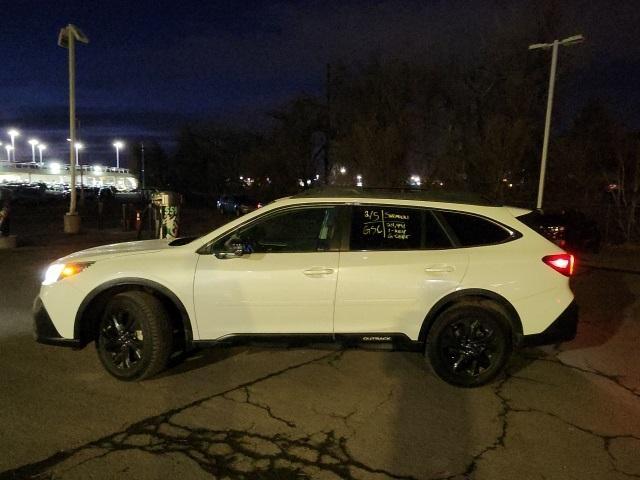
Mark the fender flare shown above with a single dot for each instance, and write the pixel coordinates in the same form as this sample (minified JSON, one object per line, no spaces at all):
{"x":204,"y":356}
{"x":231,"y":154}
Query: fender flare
{"x":459,"y":295}
{"x":138,"y":282}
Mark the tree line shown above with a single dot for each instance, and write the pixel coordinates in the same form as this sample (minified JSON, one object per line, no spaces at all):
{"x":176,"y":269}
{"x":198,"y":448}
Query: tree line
{"x":473,"y":125}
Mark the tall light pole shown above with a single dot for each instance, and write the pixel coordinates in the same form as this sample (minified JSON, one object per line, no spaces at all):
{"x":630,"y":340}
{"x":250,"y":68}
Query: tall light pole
{"x":13,"y":133}
{"x":66,"y":39}
{"x":9,"y":149}
{"x":41,"y":147}
{"x":142,"y":161}
{"x":118,"y":144}
{"x":78,"y":146}
{"x":33,"y":142}
{"x":547,"y":122}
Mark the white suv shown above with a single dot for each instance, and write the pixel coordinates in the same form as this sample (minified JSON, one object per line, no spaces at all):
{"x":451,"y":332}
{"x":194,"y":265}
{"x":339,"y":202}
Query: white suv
{"x":463,"y":282}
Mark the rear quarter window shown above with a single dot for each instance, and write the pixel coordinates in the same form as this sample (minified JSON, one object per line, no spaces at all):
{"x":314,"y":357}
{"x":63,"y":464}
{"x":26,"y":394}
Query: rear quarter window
{"x":473,"y":231}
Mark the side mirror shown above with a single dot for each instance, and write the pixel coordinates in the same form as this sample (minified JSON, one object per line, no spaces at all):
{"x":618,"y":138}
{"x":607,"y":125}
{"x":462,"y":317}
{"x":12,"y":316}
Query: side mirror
{"x":237,"y":250}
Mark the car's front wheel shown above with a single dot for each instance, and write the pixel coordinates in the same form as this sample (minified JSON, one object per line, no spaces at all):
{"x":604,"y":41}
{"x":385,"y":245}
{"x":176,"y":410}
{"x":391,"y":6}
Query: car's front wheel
{"x":469,"y":343}
{"x":134,"y":338}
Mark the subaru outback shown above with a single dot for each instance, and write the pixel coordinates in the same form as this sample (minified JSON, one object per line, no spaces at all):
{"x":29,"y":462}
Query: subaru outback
{"x":462,"y":281}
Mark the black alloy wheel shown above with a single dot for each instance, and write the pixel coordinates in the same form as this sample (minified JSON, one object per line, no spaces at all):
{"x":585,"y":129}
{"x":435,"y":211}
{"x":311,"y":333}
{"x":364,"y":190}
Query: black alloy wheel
{"x":134,"y":337}
{"x":469,"y":344}
{"x":122,"y":338}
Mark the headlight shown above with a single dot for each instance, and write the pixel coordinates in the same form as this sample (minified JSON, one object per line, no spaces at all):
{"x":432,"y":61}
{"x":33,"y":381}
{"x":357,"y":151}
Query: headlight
{"x":58,"y":271}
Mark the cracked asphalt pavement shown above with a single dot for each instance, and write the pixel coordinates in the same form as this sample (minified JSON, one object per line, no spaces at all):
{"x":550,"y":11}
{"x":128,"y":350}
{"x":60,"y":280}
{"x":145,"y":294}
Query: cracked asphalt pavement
{"x":570,"y":411}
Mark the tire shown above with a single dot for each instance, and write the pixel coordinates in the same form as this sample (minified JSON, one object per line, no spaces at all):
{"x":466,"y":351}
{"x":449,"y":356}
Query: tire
{"x":469,"y":344}
{"x":134,"y":338}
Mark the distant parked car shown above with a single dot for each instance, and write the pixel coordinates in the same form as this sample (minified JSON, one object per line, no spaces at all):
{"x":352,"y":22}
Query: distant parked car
{"x":56,"y":191}
{"x":28,"y":193}
{"x":237,"y":204}
{"x":89,"y":193}
{"x":139,"y":196}
{"x":571,"y":229}
{"x":107,"y":193}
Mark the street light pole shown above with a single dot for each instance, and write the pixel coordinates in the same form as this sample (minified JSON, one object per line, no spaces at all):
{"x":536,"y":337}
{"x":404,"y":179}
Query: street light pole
{"x":142,"y":161}
{"x":118,"y":144}
{"x":9,"y":148}
{"x":547,"y":121}
{"x":78,"y":147}
{"x":66,"y":39}
{"x":33,"y":142}
{"x":13,"y":133}
{"x":41,"y":147}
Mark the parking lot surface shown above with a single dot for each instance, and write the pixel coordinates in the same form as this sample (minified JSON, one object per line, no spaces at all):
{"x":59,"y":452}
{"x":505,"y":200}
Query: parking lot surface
{"x":562,"y":412}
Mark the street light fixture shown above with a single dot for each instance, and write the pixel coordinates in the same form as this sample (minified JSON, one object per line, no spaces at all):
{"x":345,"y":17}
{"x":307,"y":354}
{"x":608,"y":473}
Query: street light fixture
{"x":547,"y":122}
{"x":118,"y":144}
{"x":33,"y":142}
{"x":41,"y":147}
{"x":13,"y":133}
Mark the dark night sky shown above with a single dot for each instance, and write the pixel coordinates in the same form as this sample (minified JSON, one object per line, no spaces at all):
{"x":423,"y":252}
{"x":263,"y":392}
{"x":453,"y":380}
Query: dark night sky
{"x":151,"y":66}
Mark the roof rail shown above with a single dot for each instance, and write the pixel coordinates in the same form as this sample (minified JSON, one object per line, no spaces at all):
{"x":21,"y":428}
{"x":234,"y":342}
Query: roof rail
{"x":404,"y":193}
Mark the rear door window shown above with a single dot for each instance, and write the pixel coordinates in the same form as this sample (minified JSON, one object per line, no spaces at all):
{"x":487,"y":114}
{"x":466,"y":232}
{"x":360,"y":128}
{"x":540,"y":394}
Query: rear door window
{"x":395,"y":228}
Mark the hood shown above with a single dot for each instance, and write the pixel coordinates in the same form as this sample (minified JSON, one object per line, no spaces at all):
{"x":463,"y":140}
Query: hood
{"x":118,"y":249}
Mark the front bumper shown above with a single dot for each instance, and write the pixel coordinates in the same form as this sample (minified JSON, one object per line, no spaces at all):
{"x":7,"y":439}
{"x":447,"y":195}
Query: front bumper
{"x":45,"y":331}
{"x":563,"y":329}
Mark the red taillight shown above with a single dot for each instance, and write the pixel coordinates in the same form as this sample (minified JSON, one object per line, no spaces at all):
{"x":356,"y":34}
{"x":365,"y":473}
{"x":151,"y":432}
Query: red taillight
{"x":561,"y":262}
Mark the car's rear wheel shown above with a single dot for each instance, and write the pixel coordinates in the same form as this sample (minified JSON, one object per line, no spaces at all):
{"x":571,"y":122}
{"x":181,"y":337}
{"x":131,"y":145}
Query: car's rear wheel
{"x":469,"y":343}
{"x":134,"y":338}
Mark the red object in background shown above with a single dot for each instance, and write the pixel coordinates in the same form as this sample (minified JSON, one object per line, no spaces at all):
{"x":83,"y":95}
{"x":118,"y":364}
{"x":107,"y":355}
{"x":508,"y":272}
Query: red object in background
{"x":138,"y":220}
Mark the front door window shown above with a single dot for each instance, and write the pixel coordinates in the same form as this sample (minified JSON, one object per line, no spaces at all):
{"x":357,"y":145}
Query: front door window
{"x":296,"y":231}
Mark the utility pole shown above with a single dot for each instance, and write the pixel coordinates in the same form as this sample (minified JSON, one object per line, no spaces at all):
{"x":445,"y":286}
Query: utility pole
{"x":142,"y":163}
{"x":66,"y":39}
{"x":327,"y":163}
{"x":547,"y":121}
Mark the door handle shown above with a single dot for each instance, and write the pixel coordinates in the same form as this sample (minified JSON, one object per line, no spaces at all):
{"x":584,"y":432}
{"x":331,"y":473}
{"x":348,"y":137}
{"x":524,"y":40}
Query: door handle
{"x":318,"y":271}
{"x":441,"y":268}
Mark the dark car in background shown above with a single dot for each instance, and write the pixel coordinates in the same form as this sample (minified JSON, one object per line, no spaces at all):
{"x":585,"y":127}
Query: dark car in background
{"x":138,"y":196}
{"x":237,"y":204}
{"x":569,"y":229}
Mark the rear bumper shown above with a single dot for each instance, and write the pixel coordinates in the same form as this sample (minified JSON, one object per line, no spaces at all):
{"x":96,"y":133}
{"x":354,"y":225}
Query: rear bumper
{"x":45,"y":331}
{"x":563,"y":329}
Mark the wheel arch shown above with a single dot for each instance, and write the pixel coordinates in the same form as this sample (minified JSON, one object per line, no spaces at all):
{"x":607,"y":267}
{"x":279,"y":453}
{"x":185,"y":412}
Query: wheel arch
{"x":90,"y":308}
{"x":468,"y":294}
